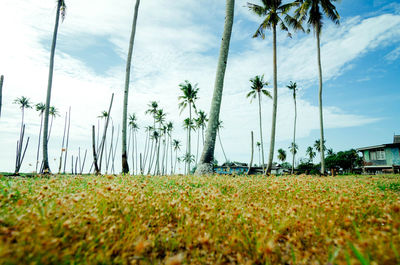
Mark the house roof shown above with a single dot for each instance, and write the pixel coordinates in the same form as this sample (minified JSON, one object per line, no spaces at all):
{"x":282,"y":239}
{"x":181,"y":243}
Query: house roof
{"x":377,"y":147}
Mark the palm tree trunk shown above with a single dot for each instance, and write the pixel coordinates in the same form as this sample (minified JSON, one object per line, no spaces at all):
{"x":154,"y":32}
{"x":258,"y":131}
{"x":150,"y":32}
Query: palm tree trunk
{"x":198,"y":142}
{"x":294,"y":133}
{"x":261,"y":133}
{"x":125,"y":166}
{"x":1,"y":91}
{"x":62,"y":145}
{"x":136,"y":152}
{"x":103,"y":140}
{"x":170,"y":140}
{"x":38,"y":149}
{"x":321,"y":117}
{"x":220,"y":142}
{"x":252,"y":153}
{"x":189,"y":138}
{"x":66,"y":145}
{"x":46,"y":167}
{"x":205,"y":165}
{"x":274,"y":106}
{"x":96,"y":167}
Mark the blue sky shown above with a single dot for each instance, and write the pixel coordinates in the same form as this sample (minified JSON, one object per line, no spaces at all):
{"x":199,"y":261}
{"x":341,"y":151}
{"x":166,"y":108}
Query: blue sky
{"x":180,"y":40}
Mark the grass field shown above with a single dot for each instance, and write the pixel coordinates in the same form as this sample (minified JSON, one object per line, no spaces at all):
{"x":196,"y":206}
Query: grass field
{"x":200,"y":220}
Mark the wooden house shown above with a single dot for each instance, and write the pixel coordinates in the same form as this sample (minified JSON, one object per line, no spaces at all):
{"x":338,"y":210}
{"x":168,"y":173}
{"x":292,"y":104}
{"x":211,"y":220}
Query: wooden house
{"x":384,"y":158}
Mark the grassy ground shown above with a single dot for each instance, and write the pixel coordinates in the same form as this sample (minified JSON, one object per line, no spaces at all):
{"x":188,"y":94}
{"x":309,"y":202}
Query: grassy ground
{"x":192,"y":220}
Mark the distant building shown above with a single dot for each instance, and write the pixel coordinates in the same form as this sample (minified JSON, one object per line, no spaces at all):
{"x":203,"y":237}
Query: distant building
{"x":242,"y":168}
{"x":384,"y":158}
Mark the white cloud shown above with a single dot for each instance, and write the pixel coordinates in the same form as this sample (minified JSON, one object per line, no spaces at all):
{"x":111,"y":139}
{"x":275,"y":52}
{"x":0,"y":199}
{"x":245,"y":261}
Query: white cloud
{"x":175,"y":41}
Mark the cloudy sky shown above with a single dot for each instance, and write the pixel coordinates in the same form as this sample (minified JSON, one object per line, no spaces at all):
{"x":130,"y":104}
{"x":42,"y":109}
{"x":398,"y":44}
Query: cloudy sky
{"x":179,"y":40}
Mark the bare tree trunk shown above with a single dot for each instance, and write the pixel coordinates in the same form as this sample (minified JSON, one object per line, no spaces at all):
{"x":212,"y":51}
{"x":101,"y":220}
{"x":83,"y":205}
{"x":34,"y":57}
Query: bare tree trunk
{"x":321,"y":117}
{"x":205,"y":165}
{"x":274,"y":106}
{"x":46,"y":167}
{"x":220,"y":142}
{"x":103,"y":141}
{"x":96,"y":167}
{"x":125,"y":166}
{"x":62,"y":145}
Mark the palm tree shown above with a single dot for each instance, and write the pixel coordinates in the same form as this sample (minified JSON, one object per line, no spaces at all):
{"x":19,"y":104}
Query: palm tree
{"x":257,"y":87}
{"x":281,"y":155}
{"x":330,"y":152}
{"x":200,"y":124}
{"x":1,"y":91}
{"x":312,"y":11}
{"x":293,"y":86}
{"x":133,"y":126}
{"x":176,"y":144}
{"x":188,"y":99}
{"x":188,"y":125}
{"x":61,"y":9}
{"x":310,"y":153}
{"x":318,"y":146}
{"x":53,"y":112}
{"x":160,"y":119}
{"x":23,"y":103}
{"x":293,"y":148}
{"x":276,"y":14}
{"x":258,"y":144}
{"x":125,"y":165}
{"x":40,"y":107}
{"x":205,"y":165}
{"x":220,"y":126}
{"x":169,"y":129}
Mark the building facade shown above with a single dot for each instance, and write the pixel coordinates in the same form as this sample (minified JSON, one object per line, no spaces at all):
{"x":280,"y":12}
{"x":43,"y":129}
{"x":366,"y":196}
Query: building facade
{"x":383,"y":158}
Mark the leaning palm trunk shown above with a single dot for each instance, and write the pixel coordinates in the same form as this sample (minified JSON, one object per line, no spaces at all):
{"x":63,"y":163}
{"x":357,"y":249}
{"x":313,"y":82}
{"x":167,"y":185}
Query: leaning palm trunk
{"x":274,"y":106}
{"x":189,"y":138}
{"x":205,"y":164}
{"x":62,"y":145}
{"x":125,"y":166}
{"x":222,"y":147}
{"x":103,"y":140}
{"x":66,"y":145}
{"x":294,"y":134}
{"x":321,"y":117}
{"x":46,"y":167}
{"x":261,"y":133}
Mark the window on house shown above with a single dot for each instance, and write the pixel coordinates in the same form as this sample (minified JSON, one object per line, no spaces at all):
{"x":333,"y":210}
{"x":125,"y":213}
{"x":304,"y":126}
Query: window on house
{"x":377,"y":155}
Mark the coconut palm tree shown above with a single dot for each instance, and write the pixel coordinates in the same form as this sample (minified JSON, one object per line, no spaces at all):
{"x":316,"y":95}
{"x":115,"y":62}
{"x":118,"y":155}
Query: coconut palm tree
{"x":200,"y":124}
{"x":310,"y":153}
{"x":39,"y":107}
{"x":125,"y":165}
{"x":53,"y":112}
{"x":1,"y":91}
{"x":330,"y":152}
{"x":318,"y":146}
{"x":205,"y":165}
{"x":258,"y":144}
{"x":293,"y":148}
{"x":257,"y":87}
{"x":188,"y":98}
{"x":61,"y":11}
{"x":188,"y":125}
{"x":133,"y":126}
{"x":160,"y":119}
{"x":220,"y":126}
{"x":313,"y":11}
{"x":24,"y":103}
{"x":176,"y":144}
{"x":281,"y":155}
{"x":293,"y":86}
{"x":276,"y":14}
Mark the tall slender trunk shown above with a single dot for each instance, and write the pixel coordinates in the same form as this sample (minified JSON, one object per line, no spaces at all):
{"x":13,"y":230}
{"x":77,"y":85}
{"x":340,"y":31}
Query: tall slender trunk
{"x":38,"y":149}
{"x":96,"y":167}
{"x":261,"y":133}
{"x":274,"y":106}
{"x":62,"y":145}
{"x":46,"y":167}
{"x":1,"y":91}
{"x":136,"y":152}
{"x":170,"y":140}
{"x":294,"y":134}
{"x":125,"y":166}
{"x":252,"y":152}
{"x":321,"y":117}
{"x":198,"y":140}
{"x":205,"y":165}
{"x":66,"y":145}
{"x":103,"y":140}
{"x":220,"y":142}
{"x":189,"y":138}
